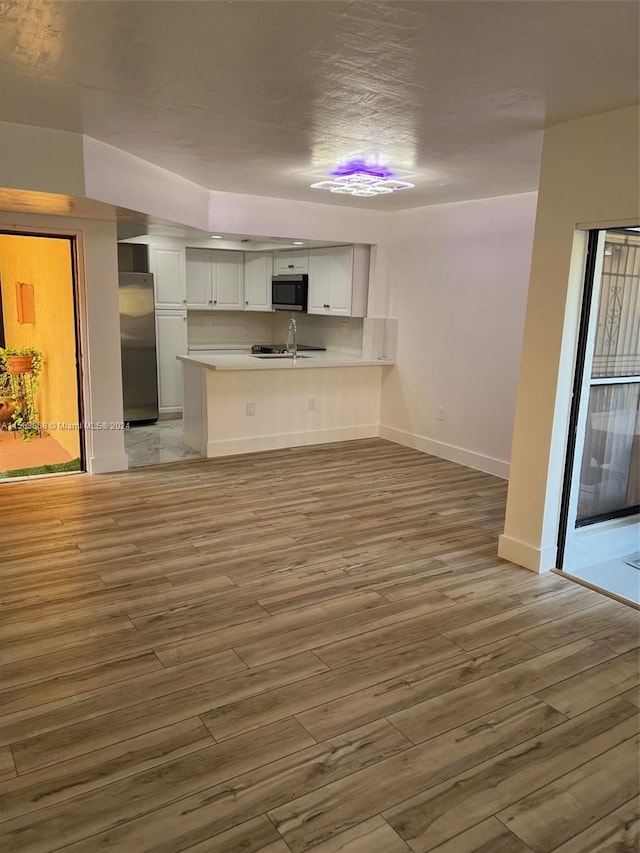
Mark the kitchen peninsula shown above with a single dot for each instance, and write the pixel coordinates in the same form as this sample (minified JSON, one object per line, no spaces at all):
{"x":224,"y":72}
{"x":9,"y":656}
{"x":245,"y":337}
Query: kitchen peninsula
{"x":246,"y":403}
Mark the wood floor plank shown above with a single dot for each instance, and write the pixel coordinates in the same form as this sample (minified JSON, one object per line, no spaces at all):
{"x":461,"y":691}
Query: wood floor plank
{"x":67,"y":779}
{"x":172,"y":559}
{"x":445,"y":810}
{"x":584,"y":690}
{"x":385,"y":626}
{"x":25,"y":626}
{"x":69,"y":731}
{"x":282,"y":627}
{"x":622,"y":637}
{"x":99,"y":701}
{"x":254,"y":836}
{"x":83,"y":655}
{"x":79,"y":681}
{"x":7,"y":766}
{"x":65,"y":636}
{"x":294,"y":698}
{"x":488,"y":836}
{"x":277,"y":604}
{"x":608,"y":614}
{"x":429,"y":718}
{"x":524,"y":591}
{"x":390,"y":696}
{"x":176,"y":620}
{"x":372,"y":836}
{"x":68,"y":558}
{"x":82,"y":817}
{"x":341,"y":805}
{"x":135,"y":598}
{"x":389,"y":634}
{"x":19,"y":594}
{"x":210,"y":812}
{"x":618,"y":832}
{"x":517,"y":620}
{"x":568,"y":806}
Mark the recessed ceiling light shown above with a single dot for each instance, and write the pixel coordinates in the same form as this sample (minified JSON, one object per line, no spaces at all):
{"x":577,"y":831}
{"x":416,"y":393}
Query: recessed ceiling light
{"x":298,"y":243}
{"x":216,"y":236}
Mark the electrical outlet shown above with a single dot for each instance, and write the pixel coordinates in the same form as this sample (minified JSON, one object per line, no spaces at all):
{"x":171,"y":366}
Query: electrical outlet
{"x":344,"y":329}
{"x":208,"y":321}
{"x":251,"y":409}
{"x":312,"y":404}
{"x":440,"y":413}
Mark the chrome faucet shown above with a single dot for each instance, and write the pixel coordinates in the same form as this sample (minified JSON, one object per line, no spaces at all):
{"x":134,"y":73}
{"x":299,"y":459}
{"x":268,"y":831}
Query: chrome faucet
{"x":292,"y":348}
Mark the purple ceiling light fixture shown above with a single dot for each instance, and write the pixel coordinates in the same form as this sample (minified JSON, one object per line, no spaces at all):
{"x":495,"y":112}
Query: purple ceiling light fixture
{"x":356,"y":177}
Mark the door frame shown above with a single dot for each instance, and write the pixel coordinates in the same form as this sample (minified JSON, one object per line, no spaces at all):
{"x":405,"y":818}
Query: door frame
{"x":592,"y":537}
{"x":73,"y":239}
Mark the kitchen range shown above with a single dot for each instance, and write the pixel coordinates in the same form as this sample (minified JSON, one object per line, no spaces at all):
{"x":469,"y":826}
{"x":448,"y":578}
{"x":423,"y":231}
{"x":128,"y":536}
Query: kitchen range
{"x":281,"y":349}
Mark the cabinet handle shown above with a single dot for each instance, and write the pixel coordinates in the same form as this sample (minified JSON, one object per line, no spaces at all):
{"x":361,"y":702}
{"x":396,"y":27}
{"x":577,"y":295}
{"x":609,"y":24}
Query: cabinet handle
{"x":184,"y":301}
{"x":326,"y":306}
{"x":215,"y":301}
{"x":211,"y":302}
{"x":291,"y":266}
{"x":247,"y":302}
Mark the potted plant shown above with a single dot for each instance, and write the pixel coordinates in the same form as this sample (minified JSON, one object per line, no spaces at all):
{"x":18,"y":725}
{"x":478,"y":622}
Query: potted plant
{"x":7,"y":404}
{"x":19,"y":382}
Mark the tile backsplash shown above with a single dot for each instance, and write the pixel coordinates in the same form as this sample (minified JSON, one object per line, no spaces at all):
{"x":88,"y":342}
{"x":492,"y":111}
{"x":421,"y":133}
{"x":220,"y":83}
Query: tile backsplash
{"x":342,"y":334}
{"x":229,"y":327}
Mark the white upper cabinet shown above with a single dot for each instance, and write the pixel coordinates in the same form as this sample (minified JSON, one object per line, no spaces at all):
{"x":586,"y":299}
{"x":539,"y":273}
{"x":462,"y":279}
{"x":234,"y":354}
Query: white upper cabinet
{"x":291,"y":262}
{"x":167,"y":266}
{"x":228,"y":278}
{"x":339,"y":281}
{"x":214,"y":280}
{"x":258,"y":268}
{"x":199,"y":280}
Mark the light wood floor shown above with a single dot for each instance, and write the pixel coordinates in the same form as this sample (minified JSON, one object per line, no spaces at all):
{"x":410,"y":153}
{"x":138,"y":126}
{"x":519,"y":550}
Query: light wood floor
{"x":308,"y":650}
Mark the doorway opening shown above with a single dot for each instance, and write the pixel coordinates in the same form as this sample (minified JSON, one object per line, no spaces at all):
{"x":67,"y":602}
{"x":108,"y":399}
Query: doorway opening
{"x":599,"y":539}
{"x":40,"y":388}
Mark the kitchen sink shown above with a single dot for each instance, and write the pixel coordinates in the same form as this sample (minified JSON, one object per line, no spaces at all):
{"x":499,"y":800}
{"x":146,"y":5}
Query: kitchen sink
{"x":279,"y":355}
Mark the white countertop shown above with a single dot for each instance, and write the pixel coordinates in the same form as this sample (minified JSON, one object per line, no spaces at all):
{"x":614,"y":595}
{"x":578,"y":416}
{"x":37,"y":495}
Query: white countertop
{"x":311,"y":359}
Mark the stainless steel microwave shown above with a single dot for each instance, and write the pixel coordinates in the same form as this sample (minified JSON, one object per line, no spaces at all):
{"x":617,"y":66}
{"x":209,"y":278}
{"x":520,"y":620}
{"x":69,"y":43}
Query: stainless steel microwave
{"x":289,"y":292}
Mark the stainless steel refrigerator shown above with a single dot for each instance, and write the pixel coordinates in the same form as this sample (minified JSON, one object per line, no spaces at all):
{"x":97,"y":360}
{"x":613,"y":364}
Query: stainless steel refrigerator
{"x":138,"y":347}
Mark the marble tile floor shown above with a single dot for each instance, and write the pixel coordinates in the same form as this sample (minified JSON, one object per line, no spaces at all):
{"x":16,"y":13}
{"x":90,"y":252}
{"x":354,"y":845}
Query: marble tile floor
{"x":149,"y":444}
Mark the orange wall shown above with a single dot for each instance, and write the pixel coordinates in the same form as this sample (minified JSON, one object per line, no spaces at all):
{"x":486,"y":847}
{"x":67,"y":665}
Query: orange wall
{"x":46,"y":264}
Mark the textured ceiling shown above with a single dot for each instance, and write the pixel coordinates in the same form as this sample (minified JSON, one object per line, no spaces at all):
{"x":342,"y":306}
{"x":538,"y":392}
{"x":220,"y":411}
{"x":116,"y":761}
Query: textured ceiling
{"x":264,"y":97}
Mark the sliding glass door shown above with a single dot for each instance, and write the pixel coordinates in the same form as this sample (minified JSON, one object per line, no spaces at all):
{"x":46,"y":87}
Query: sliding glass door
{"x":602,"y":488}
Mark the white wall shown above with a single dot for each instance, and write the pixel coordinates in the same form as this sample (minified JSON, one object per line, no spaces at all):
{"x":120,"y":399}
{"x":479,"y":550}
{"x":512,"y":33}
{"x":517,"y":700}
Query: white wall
{"x":459,"y":275}
{"x":118,"y":178}
{"x":41,"y":159}
{"x":100,"y":328}
{"x":591,"y":178}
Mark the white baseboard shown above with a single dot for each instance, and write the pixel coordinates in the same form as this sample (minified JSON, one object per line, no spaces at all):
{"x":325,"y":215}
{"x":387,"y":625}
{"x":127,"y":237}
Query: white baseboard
{"x":527,"y":555}
{"x":107,"y":464}
{"x":497,"y":467}
{"x":255,"y":444}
